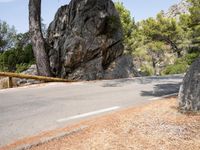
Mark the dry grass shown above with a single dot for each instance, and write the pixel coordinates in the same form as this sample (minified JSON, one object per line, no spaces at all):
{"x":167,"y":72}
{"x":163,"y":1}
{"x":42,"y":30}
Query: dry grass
{"x":155,"y":126}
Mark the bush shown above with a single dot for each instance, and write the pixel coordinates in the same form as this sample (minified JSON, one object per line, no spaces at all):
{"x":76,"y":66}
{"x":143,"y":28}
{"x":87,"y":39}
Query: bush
{"x":147,"y":70}
{"x":16,"y":59}
{"x":181,"y":65}
{"x":177,"y":68}
{"x":22,"y":67}
{"x":191,"y":57}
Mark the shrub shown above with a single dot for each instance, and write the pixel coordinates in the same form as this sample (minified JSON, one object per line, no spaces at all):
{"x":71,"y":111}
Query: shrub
{"x":177,"y":68}
{"x":22,"y":67}
{"x":191,"y":57}
{"x":147,"y":70}
{"x":16,"y":59}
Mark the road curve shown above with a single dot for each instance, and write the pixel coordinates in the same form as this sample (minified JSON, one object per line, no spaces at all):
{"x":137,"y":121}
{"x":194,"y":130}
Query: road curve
{"x":30,"y":110}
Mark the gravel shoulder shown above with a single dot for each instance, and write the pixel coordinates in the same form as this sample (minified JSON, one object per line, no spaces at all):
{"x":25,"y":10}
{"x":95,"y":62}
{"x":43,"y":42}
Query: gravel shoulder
{"x":157,"y":125}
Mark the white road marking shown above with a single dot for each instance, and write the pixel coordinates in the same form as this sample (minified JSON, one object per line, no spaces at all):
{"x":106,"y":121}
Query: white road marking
{"x":165,"y":96}
{"x":88,"y":114}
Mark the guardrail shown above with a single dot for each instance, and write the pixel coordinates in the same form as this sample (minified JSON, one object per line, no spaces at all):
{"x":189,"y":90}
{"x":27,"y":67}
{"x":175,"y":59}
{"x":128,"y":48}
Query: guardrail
{"x":24,"y":76}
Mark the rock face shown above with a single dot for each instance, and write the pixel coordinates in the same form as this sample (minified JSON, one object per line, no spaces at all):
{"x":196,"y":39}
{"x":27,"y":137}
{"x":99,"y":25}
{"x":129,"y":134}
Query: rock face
{"x":85,"y":40}
{"x":176,"y":10}
{"x":189,"y":95}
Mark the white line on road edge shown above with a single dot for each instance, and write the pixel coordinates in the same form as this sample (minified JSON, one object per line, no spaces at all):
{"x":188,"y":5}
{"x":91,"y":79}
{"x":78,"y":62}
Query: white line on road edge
{"x":88,"y":114}
{"x":165,"y":96}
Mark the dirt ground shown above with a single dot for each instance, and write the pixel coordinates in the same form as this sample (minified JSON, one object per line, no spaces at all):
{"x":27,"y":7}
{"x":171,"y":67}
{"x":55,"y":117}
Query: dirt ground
{"x":155,"y":126}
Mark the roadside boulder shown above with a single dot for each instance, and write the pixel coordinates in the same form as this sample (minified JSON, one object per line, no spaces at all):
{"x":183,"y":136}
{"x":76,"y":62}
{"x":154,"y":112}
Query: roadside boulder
{"x":189,"y":95}
{"x":85,"y":39}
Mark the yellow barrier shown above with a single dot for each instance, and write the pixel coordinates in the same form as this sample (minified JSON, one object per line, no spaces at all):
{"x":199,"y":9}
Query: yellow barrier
{"x":24,"y":76}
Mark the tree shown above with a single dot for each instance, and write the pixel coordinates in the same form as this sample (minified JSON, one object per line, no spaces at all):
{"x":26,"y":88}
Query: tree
{"x":128,"y":25}
{"x":156,"y":44}
{"x":195,"y":24}
{"x":38,"y":42}
{"x":190,"y":25}
{"x":7,"y":36}
{"x":164,"y":30}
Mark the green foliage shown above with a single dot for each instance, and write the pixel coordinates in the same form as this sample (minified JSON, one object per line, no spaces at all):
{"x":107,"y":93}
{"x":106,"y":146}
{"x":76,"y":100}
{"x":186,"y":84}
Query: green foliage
{"x":16,"y":52}
{"x":16,"y":59}
{"x":159,"y":40}
{"x":180,"y":66}
{"x":155,"y":38}
{"x":22,"y":67}
{"x":194,"y":24}
{"x":128,"y":24}
{"x":147,"y":70}
{"x":195,"y":11}
{"x":175,"y":69}
{"x":162,"y":29}
{"x":191,"y":57}
{"x":7,"y":36}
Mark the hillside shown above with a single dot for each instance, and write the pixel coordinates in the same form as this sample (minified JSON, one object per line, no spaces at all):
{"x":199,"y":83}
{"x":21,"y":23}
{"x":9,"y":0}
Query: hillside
{"x":177,"y":9}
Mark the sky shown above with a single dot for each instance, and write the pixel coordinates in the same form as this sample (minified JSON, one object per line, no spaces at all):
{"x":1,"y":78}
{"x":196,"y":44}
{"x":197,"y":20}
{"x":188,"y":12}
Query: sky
{"x":15,"y":12}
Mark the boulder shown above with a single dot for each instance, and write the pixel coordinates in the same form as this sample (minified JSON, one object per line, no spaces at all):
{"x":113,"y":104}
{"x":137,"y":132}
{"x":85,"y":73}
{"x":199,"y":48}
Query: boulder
{"x":85,"y":39}
{"x":122,"y":67}
{"x":32,"y":70}
{"x":189,"y":94}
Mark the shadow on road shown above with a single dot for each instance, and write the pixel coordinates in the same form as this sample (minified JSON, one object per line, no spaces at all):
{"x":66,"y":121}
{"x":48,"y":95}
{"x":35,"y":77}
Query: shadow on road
{"x":162,"y":89}
{"x":140,"y":80}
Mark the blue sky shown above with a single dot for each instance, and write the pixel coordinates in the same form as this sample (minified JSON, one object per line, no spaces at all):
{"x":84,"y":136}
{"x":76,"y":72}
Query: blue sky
{"x":15,"y":12}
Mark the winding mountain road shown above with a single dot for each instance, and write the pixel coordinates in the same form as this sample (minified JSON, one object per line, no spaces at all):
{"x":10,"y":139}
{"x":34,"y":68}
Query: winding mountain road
{"x":30,"y":110}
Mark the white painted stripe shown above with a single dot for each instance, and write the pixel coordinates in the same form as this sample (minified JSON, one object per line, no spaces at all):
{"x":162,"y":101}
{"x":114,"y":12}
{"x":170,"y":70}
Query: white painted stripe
{"x":165,"y":96}
{"x":88,"y":114}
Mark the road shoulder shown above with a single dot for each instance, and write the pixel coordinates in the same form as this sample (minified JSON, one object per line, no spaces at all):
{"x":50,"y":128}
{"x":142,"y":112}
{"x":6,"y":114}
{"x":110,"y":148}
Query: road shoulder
{"x":154,"y":125}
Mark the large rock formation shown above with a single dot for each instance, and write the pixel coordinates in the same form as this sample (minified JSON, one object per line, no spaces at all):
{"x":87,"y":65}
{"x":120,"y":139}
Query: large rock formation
{"x":189,"y":95}
{"x":85,"y":41}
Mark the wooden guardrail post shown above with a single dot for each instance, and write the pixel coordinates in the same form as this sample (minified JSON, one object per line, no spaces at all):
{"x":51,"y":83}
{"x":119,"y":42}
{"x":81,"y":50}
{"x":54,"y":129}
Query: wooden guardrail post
{"x":25,"y":76}
{"x":10,"y":83}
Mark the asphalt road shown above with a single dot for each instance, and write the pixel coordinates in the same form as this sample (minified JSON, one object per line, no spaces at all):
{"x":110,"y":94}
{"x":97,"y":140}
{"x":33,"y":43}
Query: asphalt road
{"x":30,"y":110}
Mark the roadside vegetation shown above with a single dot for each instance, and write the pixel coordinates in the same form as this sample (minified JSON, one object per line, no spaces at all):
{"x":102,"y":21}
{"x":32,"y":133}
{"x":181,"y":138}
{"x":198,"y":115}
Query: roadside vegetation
{"x":16,"y":53}
{"x":162,"y":45}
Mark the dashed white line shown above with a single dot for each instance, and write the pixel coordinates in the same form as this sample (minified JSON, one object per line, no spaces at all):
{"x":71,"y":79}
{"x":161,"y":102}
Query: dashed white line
{"x":88,"y":114}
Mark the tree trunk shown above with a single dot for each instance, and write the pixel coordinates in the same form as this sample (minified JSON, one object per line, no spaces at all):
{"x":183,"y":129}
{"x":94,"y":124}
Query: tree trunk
{"x":169,"y":41}
{"x":38,"y":42}
{"x":189,"y":94}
